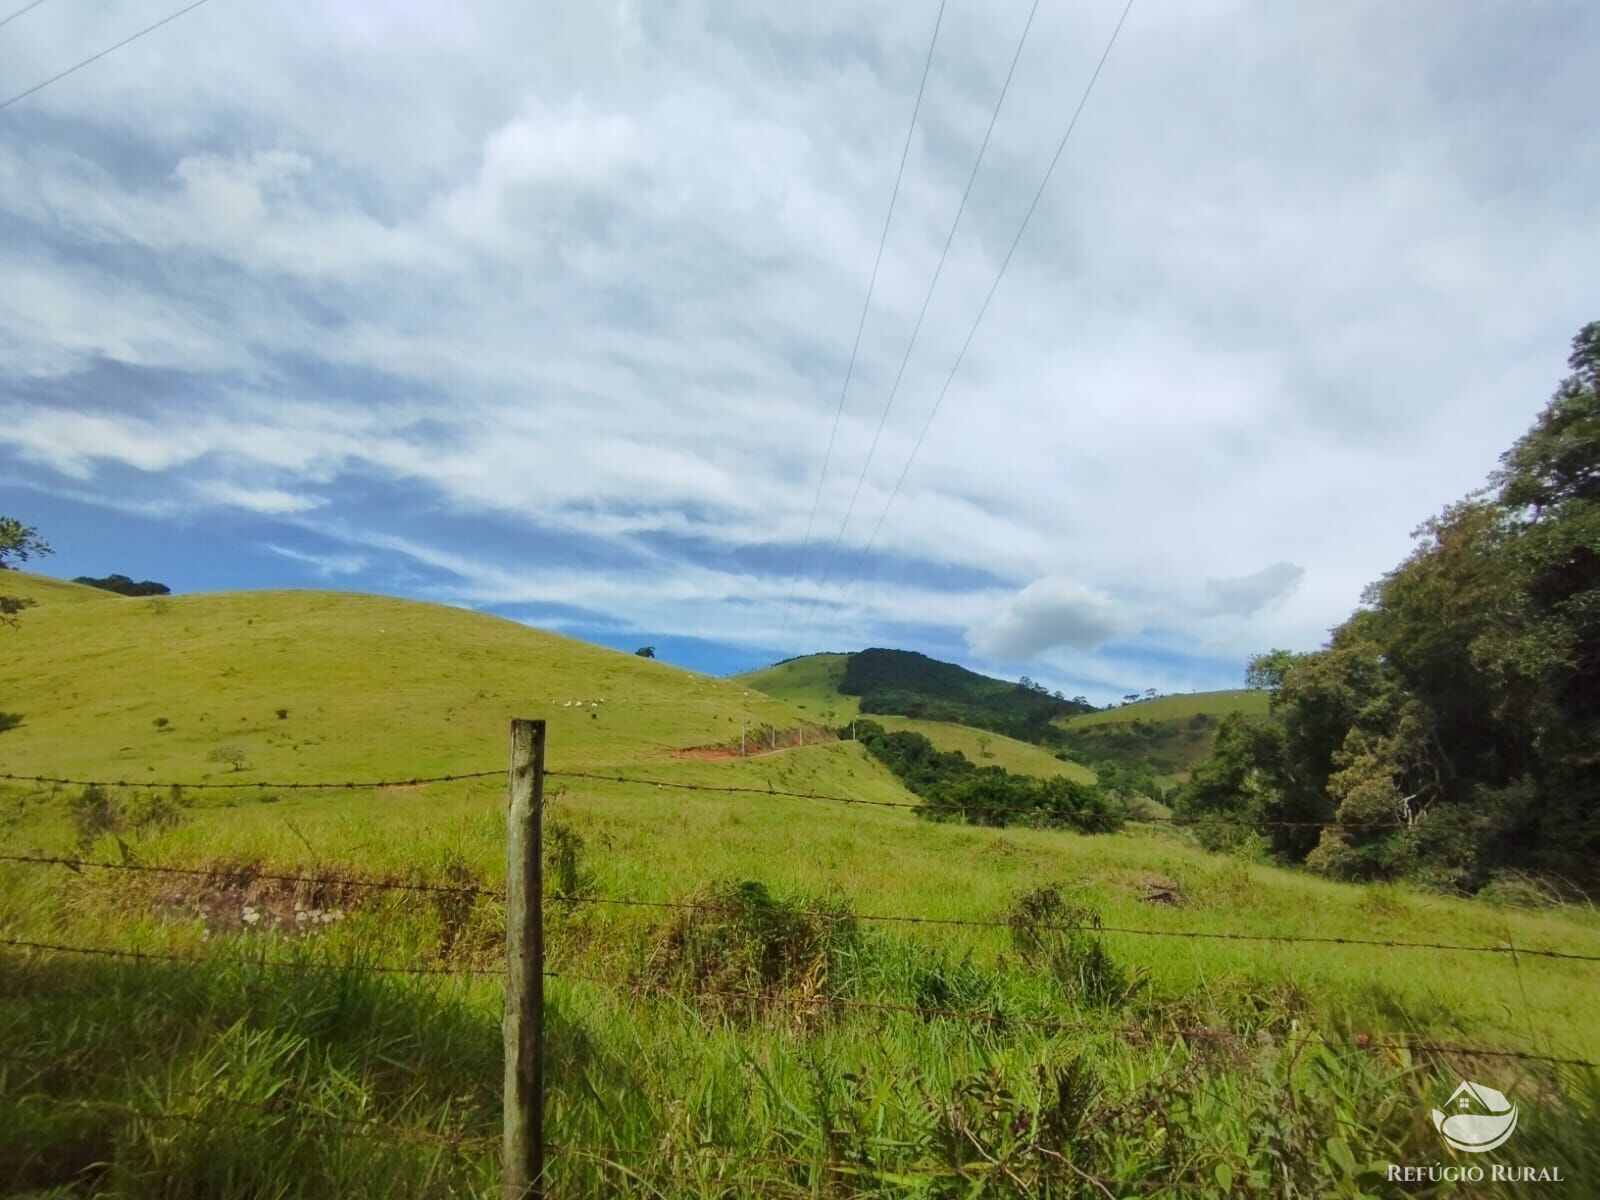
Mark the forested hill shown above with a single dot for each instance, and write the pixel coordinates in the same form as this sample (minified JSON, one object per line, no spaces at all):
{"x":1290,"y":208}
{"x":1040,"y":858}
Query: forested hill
{"x":1451,"y":727}
{"x":909,"y":684}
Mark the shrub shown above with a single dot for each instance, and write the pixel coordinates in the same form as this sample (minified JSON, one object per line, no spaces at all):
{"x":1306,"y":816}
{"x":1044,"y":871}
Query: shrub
{"x":283,"y":714}
{"x":234,"y":756}
{"x":94,"y":812}
{"x":742,"y":945}
{"x":1048,"y":932}
{"x":161,"y":722}
{"x":568,"y":878}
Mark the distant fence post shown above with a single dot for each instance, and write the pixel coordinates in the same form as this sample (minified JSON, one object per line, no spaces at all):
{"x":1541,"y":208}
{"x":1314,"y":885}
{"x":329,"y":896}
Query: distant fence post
{"x":522,"y":1171}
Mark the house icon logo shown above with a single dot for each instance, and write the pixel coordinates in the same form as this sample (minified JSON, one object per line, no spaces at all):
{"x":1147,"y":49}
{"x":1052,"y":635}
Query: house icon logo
{"x":1476,"y":1118}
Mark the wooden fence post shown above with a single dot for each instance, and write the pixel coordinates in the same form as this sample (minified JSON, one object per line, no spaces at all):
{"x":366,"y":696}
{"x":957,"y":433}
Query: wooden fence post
{"x":522,"y":1171}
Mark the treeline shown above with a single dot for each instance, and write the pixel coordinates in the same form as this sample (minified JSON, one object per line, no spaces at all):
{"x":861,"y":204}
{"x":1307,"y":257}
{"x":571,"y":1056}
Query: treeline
{"x":1451,"y":727}
{"x":123,"y":586}
{"x":953,"y":788}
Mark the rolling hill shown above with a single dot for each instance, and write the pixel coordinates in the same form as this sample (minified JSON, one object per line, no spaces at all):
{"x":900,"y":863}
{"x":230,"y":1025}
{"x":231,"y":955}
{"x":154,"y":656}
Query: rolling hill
{"x":278,"y":1058}
{"x":1166,"y":736}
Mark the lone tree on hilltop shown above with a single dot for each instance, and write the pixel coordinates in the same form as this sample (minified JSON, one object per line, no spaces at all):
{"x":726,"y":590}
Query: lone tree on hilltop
{"x":646,"y":651}
{"x":18,"y":543}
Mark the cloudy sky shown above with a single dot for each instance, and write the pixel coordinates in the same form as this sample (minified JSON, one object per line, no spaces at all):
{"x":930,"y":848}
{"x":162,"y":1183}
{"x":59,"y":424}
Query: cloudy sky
{"x":545,"y":309}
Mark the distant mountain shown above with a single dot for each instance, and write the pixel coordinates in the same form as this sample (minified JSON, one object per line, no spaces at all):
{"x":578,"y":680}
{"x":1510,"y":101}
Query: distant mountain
{"x":908,"y":684}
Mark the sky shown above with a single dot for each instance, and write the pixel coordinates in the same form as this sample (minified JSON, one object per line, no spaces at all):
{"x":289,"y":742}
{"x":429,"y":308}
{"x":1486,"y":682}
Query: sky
{"x":547,"y":310}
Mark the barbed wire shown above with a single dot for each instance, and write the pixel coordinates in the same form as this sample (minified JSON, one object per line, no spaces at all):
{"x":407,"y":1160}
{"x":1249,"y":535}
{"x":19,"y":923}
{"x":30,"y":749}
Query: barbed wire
{"x":1086,"y":927}
{"x":926,"y":807}
{"x":1144,"y":1032}
{"x":207,"y":785}
{"x":251,"y":874}
{"x":955,"y":809}
{"x":248,"y":874}
{"x":287,"y":964}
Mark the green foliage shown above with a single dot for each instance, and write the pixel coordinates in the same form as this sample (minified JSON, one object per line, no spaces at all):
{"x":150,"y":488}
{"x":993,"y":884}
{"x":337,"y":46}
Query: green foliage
{"x":1450,"y":727}
{"x":904,"y":683}
{"x":952,"y":787}
{"x":123,"y":586}
{"x":1051,"y":933}
{"x":233,"y":756}
{"x":18,"y":543}
{"x":645,"y":652}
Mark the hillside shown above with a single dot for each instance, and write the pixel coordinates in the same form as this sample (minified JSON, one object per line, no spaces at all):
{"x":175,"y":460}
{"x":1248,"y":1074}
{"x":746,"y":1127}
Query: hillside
{"x":1166,"y":736}
{"x":989,"y":749}
{"x":284,"y":1058}
{"x":368,"y":685}
{"x":908,"y":684}
{"x":810,"y":683}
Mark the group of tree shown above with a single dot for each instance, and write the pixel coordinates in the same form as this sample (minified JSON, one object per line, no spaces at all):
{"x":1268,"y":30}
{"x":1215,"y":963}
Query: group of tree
{"x":1450,"y":729}
{"x":953,"y":788}
{"x":123,"y":586}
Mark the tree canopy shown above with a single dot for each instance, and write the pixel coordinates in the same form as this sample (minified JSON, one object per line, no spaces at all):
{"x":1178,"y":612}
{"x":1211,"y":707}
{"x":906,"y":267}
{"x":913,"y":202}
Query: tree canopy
{"x":1450,"y":728}
{"x":18,"y":544}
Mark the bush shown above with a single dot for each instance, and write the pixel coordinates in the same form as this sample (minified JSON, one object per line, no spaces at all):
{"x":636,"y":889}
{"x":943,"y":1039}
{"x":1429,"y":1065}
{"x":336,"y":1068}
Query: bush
{"x":234,"y":756}
{"x":283,"y":714}
{"x":1048,"y":932}
{"x":742,"y":946}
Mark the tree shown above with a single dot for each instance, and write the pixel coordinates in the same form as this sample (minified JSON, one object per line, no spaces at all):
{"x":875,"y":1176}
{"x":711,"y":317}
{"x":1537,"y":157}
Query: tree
{"x":1448,"y":728}
{"x":983,"y":745}
{"x":646,"y":651}
{"x":234,"y":756}
{"x":124,"y":586}
{"x":1265,"y":671}
{"x":18,"y":544}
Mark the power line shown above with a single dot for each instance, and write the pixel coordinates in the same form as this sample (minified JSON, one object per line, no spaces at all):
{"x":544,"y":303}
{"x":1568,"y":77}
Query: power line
{"x":96,"y":57}
{"x":978,"y":320}
{"x":927,"y":300}
{"x":24,"y":9}
{"x":861,"y":325}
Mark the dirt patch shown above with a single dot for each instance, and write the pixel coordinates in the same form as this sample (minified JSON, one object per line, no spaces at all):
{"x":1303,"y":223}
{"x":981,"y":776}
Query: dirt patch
{"x":1157,"y":889}
{"x":228,"y":901}
{"x":758,"y":742}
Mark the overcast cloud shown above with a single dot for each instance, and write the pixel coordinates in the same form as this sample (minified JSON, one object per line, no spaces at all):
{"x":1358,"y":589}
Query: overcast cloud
{"x":545,"y":309}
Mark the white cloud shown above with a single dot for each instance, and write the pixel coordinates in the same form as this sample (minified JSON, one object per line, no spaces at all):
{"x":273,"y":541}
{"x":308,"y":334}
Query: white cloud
{"x":325,"y":564}
{"x":1246,"y":595}
{"x":598,"y":268}
{"x":270,"y":501}
{"x":1046,"y":614}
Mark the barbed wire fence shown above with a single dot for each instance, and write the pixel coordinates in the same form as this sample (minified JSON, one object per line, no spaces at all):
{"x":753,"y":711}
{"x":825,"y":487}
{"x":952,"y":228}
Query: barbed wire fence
{"x":523,"y":1145}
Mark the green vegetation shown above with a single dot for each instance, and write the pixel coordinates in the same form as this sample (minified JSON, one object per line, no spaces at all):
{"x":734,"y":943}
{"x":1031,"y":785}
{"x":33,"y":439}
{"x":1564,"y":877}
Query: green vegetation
{"x":1175,"y":708}
{"x":924,"y":1061}
{"x":1020,"y":758}
{"x":18,"y":543}
{"x":810,"y":683}
{"x":909,"y":684}
{"x":123,"y":586}
{"x":1450,"y":726}
{"x":953,"y":789}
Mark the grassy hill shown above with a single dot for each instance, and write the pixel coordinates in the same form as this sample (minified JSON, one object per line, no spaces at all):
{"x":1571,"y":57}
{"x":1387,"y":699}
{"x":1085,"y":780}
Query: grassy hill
{"x":736,"y":1051}
{"x":370,"y":686}
{"x":989,"y":749}
{"x":810,"y":683}
{"x":1175,"y":708}
{"x":1167,"y":735}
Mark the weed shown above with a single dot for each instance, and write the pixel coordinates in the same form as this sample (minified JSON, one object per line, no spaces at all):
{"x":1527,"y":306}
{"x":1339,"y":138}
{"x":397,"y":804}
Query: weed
{"x":1051,"y":933}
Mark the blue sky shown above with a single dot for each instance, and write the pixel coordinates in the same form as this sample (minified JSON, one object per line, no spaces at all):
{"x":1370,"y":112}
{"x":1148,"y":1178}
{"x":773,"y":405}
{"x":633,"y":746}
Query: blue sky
{"x":545,"y":310}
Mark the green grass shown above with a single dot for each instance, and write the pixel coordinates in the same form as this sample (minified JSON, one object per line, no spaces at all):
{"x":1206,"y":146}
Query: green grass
{"x":315,"y":1082}
{"x":1176,"y":708}
{"x":810,"y":683}
{"x":989,"y":749}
